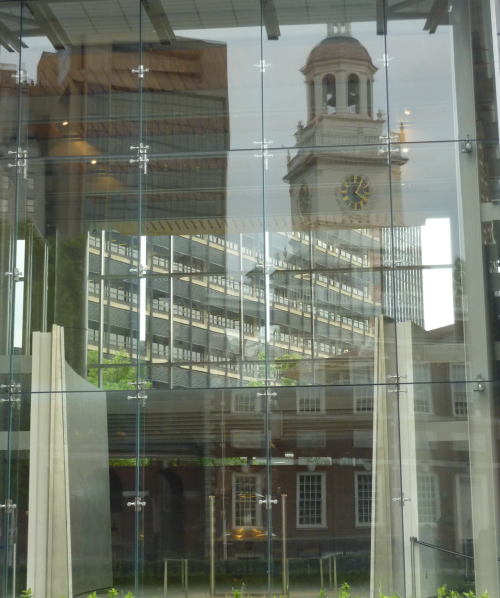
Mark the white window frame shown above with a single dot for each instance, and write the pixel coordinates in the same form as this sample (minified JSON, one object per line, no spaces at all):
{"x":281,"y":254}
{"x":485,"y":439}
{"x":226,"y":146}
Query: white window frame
{"x":323,"y":524}
{"x":458,"y":386}
{"x":423,"y":387}
{"x":257,"y":401}
{"x":360,"y":388}
{"x":437,"y":506}
{"x":357,"y":474}
{"x":313,"y":390}
{"x":258,"y":507}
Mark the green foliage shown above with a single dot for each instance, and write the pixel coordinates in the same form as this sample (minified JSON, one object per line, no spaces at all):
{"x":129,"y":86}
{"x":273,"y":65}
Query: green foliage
{"x":92,"y":595}
{"x":27,"y":593}
{"x":129,"y":595}
{"x":322,"y":594}
{"x":238,"y":593}
{"x":345,"y":590}
{"x":112,"y":593}
{"x":276,"y":369}
{"x":114,"y":378}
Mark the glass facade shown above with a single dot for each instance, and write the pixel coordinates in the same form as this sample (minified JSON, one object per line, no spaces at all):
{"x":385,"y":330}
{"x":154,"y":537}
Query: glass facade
{"x":249,"y":298}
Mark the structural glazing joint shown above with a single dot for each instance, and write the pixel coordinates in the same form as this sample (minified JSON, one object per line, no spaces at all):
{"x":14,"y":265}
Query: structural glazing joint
{"x":137,"y":503}
{"x":9,"y":506}
{"x":140,"y":71}
{"x":268,"y":502}
{"x":140,"y":396}
{"x":142,"y":156}
{"x":16,"y":274}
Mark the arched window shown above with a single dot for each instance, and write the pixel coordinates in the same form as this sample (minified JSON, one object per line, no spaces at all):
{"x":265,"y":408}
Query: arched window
{"x":311,"y":100}
{"x":369,"y":98}
{"x":353,"y":94}
{"x":329,"y":94}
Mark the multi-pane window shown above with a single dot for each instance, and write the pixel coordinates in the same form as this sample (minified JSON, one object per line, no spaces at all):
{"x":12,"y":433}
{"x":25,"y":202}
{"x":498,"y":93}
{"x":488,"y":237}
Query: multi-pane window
{"x":421,"y":390}
{"x":310,"y":400}
{"x":246,"y":508}
{"x":363,"y":392}
{"x":311,"y":500}
{"x":458,"y":388}
{"x":245,"y":402}
{"x":427,"y":498}
{"x":363,"y":498}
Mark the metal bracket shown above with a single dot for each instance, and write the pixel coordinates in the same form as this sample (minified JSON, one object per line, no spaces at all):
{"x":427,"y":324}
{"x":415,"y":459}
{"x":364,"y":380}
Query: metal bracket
{"x":268,"y":502}
{"x":397,"y":377}
{"x":16,"y":274}
{"x":466,"y":145}
{"x":397,"y":390}
{"x":142,"y":270}
{"x":139,"y":385}
{"x":263,"y":151}
{"x":21,"y":76}
{"x":401,"y":500}
{"x":387,"y":149}
{"x":9,"y":506}
{"x":480,"y":385}
{"x":142,"y":156}
{"x":21,"y":157}
{"x":262,"y":66}
{"x":141,"y":397}
{"x":140,"y":71}
{"x":138,"y":504}
{"x":385,"y":59}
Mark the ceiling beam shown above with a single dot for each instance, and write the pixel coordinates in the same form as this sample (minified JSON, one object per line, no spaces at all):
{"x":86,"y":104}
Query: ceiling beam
{"x":395,"y":8}
{"x":435,"y":15}
{"x":48,"y":23}
{"x":159,"y":20}
{"x":381,"y":18}
{"x":270,"y":19}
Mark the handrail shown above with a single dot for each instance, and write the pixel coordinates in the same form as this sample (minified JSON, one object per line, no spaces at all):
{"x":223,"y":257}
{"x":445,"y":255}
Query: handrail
{"x":416,"y":541}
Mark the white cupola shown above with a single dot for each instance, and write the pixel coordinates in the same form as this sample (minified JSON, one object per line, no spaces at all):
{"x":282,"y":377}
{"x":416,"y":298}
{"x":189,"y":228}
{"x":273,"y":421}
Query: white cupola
{"x":339,"y":76}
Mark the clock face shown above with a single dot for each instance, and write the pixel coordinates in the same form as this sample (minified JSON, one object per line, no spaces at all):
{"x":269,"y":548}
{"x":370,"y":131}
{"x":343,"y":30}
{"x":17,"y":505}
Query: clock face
{"x":355,"y":191}
{"x":305,"y":199}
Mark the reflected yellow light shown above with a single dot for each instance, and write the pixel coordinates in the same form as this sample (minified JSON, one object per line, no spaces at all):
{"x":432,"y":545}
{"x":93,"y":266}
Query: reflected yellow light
{"x":405,"y":150}
{"x":95,"y":161}
{"x":407,"y":112}
{"x":65,"y":123}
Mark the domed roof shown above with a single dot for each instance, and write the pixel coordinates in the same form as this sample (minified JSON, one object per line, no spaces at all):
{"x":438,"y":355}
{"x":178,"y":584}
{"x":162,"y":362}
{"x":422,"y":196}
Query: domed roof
{"x":338,"y":46}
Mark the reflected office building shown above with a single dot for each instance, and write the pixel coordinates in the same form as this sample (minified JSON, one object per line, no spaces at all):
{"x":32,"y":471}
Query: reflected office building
{"x":249,"y":298}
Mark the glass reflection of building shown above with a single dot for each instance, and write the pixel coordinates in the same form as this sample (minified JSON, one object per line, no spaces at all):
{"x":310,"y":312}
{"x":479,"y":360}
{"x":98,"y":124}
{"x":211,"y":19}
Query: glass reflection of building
{"x":216,"y":360}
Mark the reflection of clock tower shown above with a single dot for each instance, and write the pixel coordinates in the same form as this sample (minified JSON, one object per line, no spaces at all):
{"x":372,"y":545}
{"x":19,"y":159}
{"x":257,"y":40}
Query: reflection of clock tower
{"x":340,"y":176}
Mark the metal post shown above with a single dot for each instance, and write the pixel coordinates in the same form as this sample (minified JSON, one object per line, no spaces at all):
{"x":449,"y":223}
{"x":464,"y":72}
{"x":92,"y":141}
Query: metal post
{"x":335,"y":571}
{"x":212,"y":545}
{"x":14,"y":570}
{"x":330,"y":571}
{"x":186,"y":578}
{"x":413,"y":580}
{"x":321,"y":571}
{"x":288,"y":577}
{"x":283,"y":555}
{"x":165,"y":579}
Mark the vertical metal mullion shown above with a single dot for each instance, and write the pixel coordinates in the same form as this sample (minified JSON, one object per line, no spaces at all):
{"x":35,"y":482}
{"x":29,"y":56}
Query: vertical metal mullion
{"x":100,"y":349}
{"x":171,"y":314}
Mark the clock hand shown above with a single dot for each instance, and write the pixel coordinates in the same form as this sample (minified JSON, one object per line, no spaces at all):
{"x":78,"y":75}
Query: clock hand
{"x":360,"y":183}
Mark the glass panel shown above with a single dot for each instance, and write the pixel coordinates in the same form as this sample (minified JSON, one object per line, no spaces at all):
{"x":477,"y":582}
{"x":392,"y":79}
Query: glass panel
{"x":202,"y":91}
{"x":441,"y":86}
{"x":326,"y":72}
{"x":331,"y":473}
{"x":440,"y":283}
{"x":204,"y":461}
{"x":330,"y":248}
{"x":450,"y":452}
